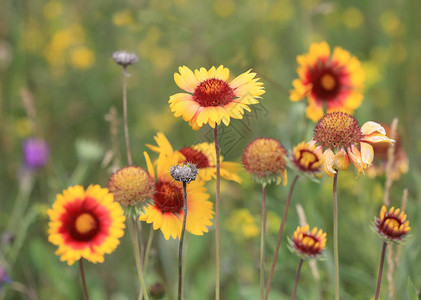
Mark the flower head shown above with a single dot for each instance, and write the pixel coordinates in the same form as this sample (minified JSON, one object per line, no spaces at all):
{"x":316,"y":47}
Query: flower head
{"x":211,"y":98}
{"x":307,"y":158}
{"x":265,"y":160}
{"x":124,"y":58}
{"x":131,"y":185}
{"x":392,"y":225}
{"x":85,"y":224}
{"x":343,"y":140}
{"x":202,"y":155}
{"x":332,"y":80}
{"x":35,"y":153}
{"x":166,"y":212}
{"x":184,"y":173}
{"x":400,"y":164}
{"x":306,"y":243}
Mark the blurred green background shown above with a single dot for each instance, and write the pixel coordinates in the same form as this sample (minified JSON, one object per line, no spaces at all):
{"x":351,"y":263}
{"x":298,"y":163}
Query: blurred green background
{"x":55,"y":60}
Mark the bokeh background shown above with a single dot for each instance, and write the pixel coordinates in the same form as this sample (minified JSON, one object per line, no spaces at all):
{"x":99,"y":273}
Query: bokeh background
{"x":58,"y":82}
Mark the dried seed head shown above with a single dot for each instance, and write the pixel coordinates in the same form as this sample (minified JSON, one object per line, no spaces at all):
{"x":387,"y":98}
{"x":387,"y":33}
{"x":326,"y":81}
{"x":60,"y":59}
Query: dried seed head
{"x":184,"y":173}
{"x":131,"y":185}
{"x":125,"y":58}
{"x":337,"y":129}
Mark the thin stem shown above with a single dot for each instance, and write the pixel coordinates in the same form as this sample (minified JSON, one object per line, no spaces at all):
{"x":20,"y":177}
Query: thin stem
{"x":297,"y":277}
{"x":278,"y":242}
{"x":217,"y":204}
{"x":379,"y":279}
{"x":180,"y":249}
{"x":126,"y":127}
{"x":262,"y":244}
{"x":147,"y":254}
{"x":82,"y":274}
{"x":136,"y":251}
{"x":335,"y":235}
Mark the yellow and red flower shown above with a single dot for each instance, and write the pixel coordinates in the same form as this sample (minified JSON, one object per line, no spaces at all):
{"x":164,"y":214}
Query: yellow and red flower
{"x":265,"y":160}
{"x":306,"y":243}
{"x":392,"y":225}
{"x":202,"y":155}
{"x":166,"y":212}
{"x":307,"y":158}
{"x":211,"y":98}
{"x":343,"y":140}
{"x":85,"y":224}
{"x":400,"y":164}
{"x":334,"y":81}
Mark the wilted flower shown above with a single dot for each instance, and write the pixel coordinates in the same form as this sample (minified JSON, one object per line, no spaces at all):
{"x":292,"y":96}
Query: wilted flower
{"x":400,"y":164}
{"x":265,"y":160}
{"x":85,"y":224}
{"x":343,"y":140}
{"x":131,"y":185}
{"x":35,"y":153}
{"x":392,"y":225}
{"x":328,"y":80}
{"x":211,"y":98}
{"x":306,"y":243}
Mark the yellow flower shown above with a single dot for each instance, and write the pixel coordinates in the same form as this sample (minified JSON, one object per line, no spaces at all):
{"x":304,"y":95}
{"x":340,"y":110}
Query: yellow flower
{"x":202,"y":155}
{"x":265,"y":160}
{"x":85,"y":224}
{"x":166,"y":212}
{"x":332,"y":80}
{"x":211,"y":98}
{"x":82,"y":57}
{"x":343,"y":140}
{"x":392,"y":225}
{"x":306,"y":243}
{"x":242,"y":222}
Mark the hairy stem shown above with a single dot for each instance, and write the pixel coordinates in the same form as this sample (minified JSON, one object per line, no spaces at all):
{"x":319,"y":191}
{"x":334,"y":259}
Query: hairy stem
{"x":379,"y":279}
{"x":278,"y":242}
{"x":262,"y":244}
{"x":335,"y":235}
{"x":180,"y":249}
{"x":217,"y":204}
{"x":82,"y":275}
{"x":297,"y":277}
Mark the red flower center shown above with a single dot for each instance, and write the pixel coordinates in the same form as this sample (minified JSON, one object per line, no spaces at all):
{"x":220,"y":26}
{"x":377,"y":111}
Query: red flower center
{"x":390,"y":227}
{"x":213,"y":92}
{"x":337,"y":129}
{"x":195,"y":157}
{"x":327,"y":82}
{"x":168,"y":197}
{"x":307,"y":245}
{"x":306,"y":160}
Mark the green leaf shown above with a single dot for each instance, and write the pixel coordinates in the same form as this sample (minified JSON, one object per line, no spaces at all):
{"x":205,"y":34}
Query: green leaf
{"x":411,"y":290}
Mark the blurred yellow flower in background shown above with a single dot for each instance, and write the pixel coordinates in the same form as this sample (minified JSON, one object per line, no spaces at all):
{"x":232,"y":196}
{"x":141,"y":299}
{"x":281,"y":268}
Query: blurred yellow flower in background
{"x":52,"y":10}
{"x":241,"y":222}
{"x":122,"y":18}
{"x":353,"y":18}
{"x":82,"y":57}
{"x":224,"y":8}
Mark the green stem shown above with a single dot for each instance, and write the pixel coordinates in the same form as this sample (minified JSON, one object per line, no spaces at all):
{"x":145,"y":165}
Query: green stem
{"x":262,"y":244}
{"x":379,"y":279}
{"x":147,"y":254}
{"x":126,"y":127}
{"x":180,"y":249}
{"x":82,"y":274}
{"x":278,"y":242}
{"x":297,"y":277}
{"x":335,"y":235}
{"x":217,"y":204}
{"x":136,"y":251}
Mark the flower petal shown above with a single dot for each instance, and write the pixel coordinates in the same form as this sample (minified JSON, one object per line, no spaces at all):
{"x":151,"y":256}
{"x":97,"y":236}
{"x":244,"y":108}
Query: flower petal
{"x":186,"y":79}
{"x":367,"y":153}
{"x":370,"y":127}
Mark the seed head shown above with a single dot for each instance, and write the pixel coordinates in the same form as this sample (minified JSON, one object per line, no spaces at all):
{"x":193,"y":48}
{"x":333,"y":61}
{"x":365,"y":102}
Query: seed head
{"x":184,"y":173}
{"x":125,"y":58}
{"x":131,"y":185}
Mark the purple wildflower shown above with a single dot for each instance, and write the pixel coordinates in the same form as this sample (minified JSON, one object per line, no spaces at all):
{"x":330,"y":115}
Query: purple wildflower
{"x":35,"y":153}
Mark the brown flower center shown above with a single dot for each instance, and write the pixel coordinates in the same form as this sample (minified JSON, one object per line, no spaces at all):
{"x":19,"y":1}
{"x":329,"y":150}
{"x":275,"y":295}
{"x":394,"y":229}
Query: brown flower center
{"x":337,"y":129}
{"x":168,"y":197}
{"x":213,"y":92}
{"x":195,"y":157}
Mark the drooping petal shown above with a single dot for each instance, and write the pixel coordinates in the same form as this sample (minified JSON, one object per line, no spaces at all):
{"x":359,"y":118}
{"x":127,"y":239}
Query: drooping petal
{"x":341,"y":160}
{"x":367,"y":153}
{"x":327,"y":166}
{"x":377,"y":138}
{"x":370,"y":127}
